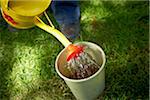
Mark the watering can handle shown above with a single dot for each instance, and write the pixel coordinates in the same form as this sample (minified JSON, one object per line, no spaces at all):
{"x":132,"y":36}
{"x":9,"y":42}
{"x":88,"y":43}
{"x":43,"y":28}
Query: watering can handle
{"x":50,"y":29}
{"x":48,"y":20}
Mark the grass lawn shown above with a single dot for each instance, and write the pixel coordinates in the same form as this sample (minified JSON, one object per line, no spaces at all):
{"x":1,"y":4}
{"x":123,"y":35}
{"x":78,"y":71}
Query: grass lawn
{"x":121,"y":28}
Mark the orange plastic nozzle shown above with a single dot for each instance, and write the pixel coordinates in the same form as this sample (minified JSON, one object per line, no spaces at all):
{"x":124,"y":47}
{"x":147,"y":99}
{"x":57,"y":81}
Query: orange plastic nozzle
{"x":74,"y":51}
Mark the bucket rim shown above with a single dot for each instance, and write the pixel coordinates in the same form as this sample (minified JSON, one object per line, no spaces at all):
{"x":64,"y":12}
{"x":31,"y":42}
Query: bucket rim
{"x":84,"y":79}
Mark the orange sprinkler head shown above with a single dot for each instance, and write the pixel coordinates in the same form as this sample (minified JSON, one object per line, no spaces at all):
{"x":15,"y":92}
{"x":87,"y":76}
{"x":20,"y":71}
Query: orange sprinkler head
{"x":74,"y":51}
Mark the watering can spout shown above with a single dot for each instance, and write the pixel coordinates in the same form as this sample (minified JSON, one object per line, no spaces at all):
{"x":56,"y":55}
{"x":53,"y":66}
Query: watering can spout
{"x":19,"y":14}
{"x":56,"y":33}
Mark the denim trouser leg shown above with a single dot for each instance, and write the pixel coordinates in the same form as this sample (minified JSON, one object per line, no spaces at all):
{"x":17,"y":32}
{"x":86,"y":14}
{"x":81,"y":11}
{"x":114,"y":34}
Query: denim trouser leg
{"x":67,"y":14}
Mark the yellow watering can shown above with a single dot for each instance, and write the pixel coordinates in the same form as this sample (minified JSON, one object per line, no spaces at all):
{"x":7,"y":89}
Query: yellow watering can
{"x":24,"y":14}
{"x":20,"y":13}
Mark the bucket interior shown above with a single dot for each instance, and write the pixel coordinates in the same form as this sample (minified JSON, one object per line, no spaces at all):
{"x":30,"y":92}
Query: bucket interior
{"x":93,"y":51}
{"x":28,"y":7}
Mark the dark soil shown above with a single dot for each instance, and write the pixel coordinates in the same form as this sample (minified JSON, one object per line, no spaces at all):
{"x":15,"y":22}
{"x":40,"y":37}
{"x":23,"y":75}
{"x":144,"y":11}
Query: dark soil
{"x":84,"y":73}
{"x":82,"y":67}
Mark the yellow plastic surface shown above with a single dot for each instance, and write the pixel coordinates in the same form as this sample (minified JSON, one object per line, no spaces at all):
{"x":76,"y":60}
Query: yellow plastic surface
{"x":38,"y":22}
{"x":21,"y":24}
{"x":28,"y":7}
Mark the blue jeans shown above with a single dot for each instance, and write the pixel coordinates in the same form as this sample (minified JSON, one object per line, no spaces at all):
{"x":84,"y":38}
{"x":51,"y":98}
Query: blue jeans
{"x":67,"y":14}
{"x":66,"y":11}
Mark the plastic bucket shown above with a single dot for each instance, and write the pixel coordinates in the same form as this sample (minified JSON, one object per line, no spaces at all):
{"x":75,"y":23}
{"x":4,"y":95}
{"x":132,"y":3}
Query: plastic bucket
{"x":89,"y":88}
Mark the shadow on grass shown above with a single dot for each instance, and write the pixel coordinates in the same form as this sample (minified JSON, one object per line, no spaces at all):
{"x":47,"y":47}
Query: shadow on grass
{"x":5,"y":68}
{"x":123,"y":35}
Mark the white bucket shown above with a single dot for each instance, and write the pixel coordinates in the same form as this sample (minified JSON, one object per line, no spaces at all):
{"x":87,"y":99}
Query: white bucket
{"x":88,"y":88}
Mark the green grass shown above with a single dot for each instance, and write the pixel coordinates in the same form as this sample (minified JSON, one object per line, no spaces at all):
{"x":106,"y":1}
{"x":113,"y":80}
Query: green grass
{"x":121,"y":28}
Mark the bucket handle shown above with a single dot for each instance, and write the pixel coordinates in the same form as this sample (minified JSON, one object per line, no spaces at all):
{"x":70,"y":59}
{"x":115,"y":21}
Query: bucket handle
{"x":51,"y":29}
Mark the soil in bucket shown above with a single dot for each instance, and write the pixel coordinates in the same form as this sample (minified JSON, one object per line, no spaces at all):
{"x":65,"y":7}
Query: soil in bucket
{"x":81,"y":66}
